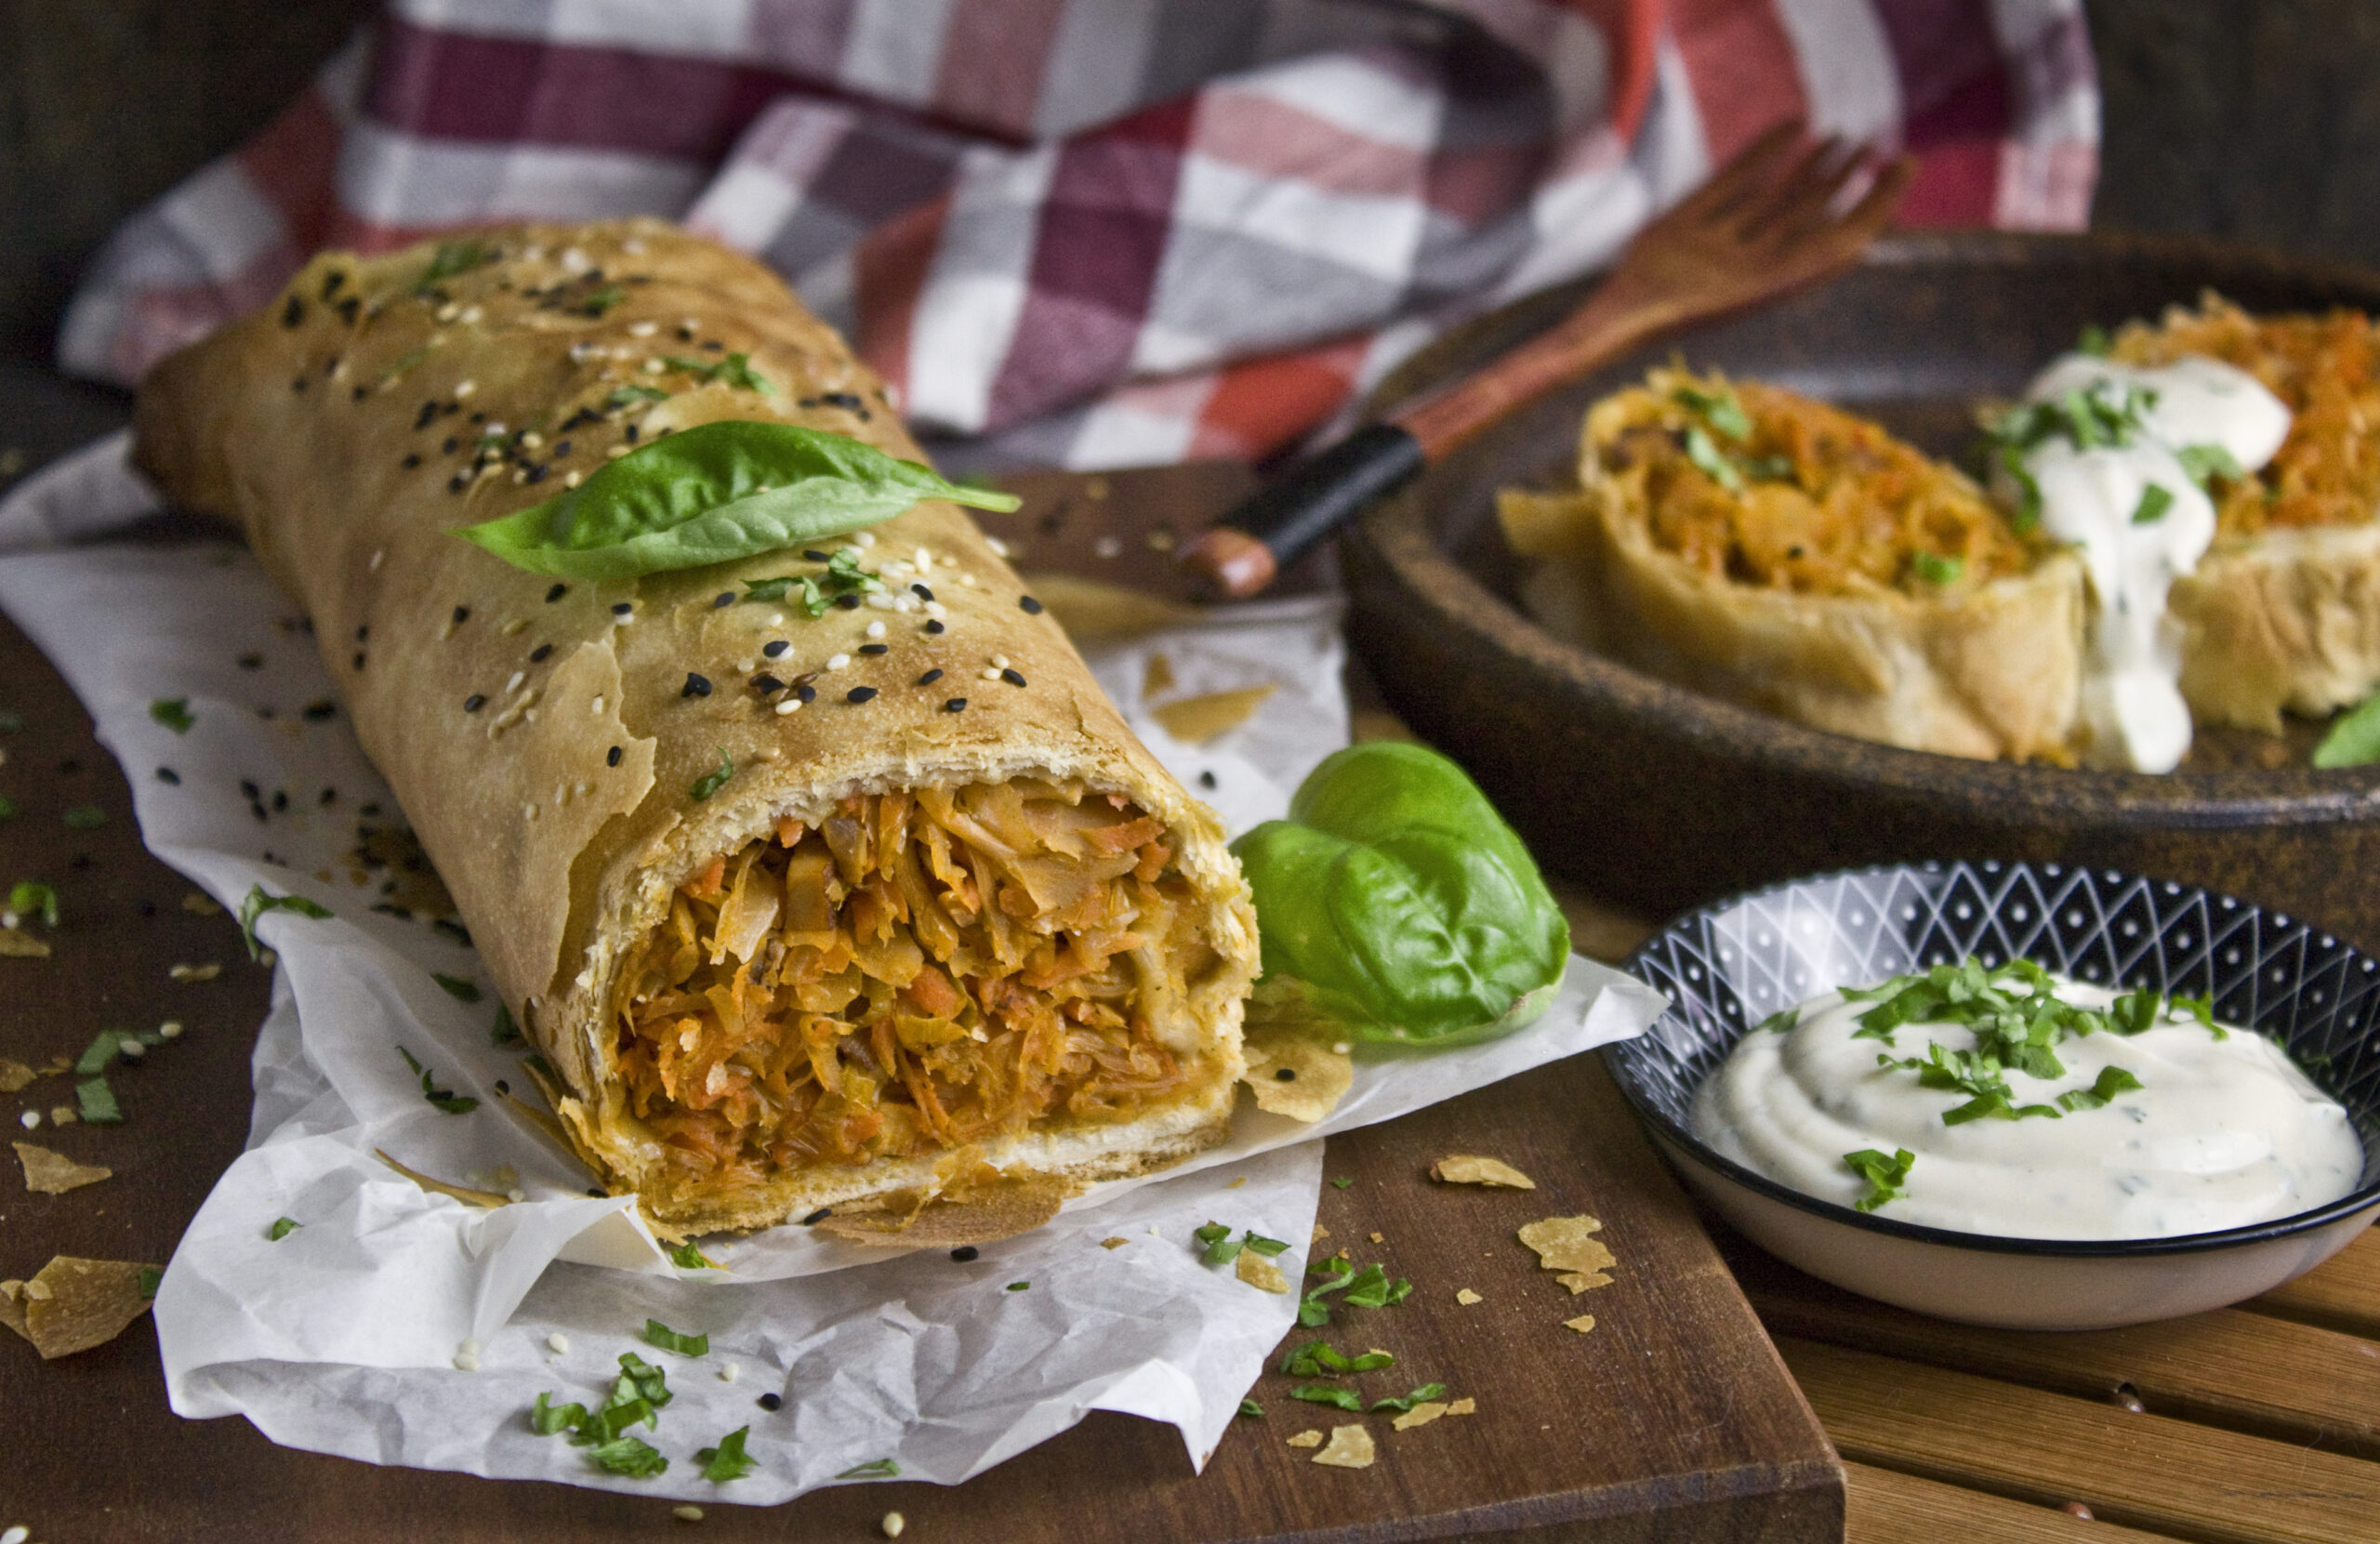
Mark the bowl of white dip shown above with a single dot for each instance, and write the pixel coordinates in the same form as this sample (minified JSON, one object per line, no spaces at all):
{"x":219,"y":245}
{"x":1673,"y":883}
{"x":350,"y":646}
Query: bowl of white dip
{"x":2026,"y":1095}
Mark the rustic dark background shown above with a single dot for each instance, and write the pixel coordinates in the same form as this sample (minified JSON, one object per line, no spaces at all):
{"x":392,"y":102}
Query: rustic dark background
{"x":2255,"y":119}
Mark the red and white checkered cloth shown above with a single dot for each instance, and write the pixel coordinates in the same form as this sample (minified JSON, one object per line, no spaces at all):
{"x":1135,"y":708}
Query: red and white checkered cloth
{"x":1103,"y":232}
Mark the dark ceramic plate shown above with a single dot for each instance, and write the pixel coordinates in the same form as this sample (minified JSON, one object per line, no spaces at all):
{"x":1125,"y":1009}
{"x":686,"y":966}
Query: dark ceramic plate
{"x":1736,"y":963}
{"x":1656,"y":797}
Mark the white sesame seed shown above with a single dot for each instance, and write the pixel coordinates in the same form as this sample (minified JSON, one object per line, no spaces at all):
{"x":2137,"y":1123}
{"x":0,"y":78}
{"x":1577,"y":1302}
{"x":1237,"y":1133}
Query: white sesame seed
{"x":936,"y":609}
{"x":876,"y":630}
{"x":30,"y":1119}
{"x":517,"y":677}
{"x":464,"y":389}
{"x":968,"y":579}
{"x":729,"y":1372}
{"x":518,"y":624}
{"x":776,"y":619}
{"x":516,"y":1194}
{"x":170,"y":1030}
{"x":689,"y":325}
{"x":575,"y":258}
{"x":641,"y":329}
{"x":997,"y":544}
{"x":865,"y":538}
{"x":654,"y":367}
{"x":742,"y":667}
{"x":582,"y":790}
{"x":17,"y":1534}
{"x":687,"y":1514}
{"x":558,"y":1344}
{"x":528,"y":812}
{"x":448,"y":311}
{"x":791,"y":704}
{"x":892,"y":1525}
{"x":132,"y":1050}
{"x":530,"y":439}
{"x":579,"y":351}
{"x":1342,"y":1049}
{"x":597,"y":707}
{"x":467,"y":1356}
{"x":497,"y":428}
{"x":836,"y":662}
{"x":990,"y":674}
{"x":1000,"y":662}
{"x":379,"y":555}
{"x":904,"y":603}
{"x":633,"y":246}
{"x":614,"y":454}
{"x":925,"y":559}
{"x":470,"y":316}
{"x":570,"y":480}
{"x":880,"y":600}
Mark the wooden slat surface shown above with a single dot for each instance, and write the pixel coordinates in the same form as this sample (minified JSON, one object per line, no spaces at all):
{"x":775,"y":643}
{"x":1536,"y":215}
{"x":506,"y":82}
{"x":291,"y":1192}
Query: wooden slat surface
{"x":1888,"y":1507}
{"x":2343,"y":1294}
{"x":1673,"y":1421}
{"x":2144,"y":1471}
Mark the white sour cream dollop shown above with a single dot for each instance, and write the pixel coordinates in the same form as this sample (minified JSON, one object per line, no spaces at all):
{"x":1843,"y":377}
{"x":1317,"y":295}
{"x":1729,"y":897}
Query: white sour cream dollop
{"x":2132,"y":701}
{"x":2223,"y":1132}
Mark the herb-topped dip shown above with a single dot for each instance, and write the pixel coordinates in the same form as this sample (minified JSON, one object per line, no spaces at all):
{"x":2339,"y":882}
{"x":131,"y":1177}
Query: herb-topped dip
{"x":2009,"y":1101}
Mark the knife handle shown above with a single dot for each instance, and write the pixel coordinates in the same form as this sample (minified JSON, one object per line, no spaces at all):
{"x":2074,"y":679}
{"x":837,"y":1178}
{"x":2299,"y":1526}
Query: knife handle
{"x":1277,"y":525}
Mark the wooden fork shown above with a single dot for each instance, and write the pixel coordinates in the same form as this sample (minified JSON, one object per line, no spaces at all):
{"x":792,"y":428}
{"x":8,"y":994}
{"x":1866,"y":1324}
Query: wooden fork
{"x":1764,"y":226}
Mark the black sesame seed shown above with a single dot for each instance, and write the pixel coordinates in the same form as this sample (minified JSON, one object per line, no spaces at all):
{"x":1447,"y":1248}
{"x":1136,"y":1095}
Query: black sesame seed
{"x":148,"y":908}
{"x":265,"y":713}
{"x":502,"y":1086}
{"x":772,"y":1402}
{"x":561,"y":447}
{"x":632,"y":431}
{"x":817,"y":1217}
{"x":171,"y":778}
{"x":876,"y":648}
{"x":955,"y":705}
{"x":348,"y":309}
{"x":298,"y":384}
{"x":252,"y":662}
{"x":597,"y":1192}
{"x":766,"y":683}
{"x":316,"y":712}
{"x":473,"y":703}
{"x":696,"y":686}
{"x":1012,"y":677}
{"x":843,"y":399}
{"x":930,"y":676}
{"x":457,"y":482}
{"x":713,"y":345}
{"x":361,"y":392}
{"x":774,"y":648}
{"x":935,"y":627}
{"x":370,"y":811}
{"x":294,"y":312}
{"x":363,"y":633}
{"x":330,"y":795}
{"x":1032,"y":607}
{"x":812,"y":554}
{"x":921,"y":592}
{"x":806,"y":691}
{"x":1206,"y":779}
{"x":724,"y":598}
{"x":476,"y":418}
{"x":536,"y":474}
{"x":453,"y":930}
{"x":964,"y":1253}
{"x":249,"y":788}
{"x":1286,"y":1075}
{"x":556,"y":593}
{"x":421,"y":420}
{"x":537,"y":655}
{"x":860,"y":694}
{"x":280,"y":801}
{"x":410,"y":461}
{"x":611,"y":756}
{"x":849,"y":603}
{"x":359,"y":661}
{"x":462,"y":615}
{"x":621,"y":608}
{"x":452,"y":445}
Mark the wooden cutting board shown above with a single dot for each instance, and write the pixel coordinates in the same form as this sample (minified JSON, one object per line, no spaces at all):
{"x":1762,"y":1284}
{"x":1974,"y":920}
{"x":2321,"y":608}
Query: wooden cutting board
{"x":1672,"y":1419}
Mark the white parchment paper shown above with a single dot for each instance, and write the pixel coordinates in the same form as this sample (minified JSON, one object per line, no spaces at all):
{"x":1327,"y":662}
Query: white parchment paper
{"x":344,"y":1335}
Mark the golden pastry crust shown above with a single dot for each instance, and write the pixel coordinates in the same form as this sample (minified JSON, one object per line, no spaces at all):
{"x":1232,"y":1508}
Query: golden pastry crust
{"x":2284,"y":610}
{"x":1808,"y":565}
{"x":340,"y":428}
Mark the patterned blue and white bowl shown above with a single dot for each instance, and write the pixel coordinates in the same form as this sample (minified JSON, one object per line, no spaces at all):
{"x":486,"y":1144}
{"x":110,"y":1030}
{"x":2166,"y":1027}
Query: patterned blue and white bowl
{"x":1731,"y":965}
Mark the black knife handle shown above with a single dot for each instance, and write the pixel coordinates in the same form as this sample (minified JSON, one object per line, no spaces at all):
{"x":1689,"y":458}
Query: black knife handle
{"x":1295,"y":512}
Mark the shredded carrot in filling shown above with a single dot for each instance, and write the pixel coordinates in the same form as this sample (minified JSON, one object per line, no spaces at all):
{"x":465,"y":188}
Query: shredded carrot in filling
{"x":2325,"y":370}
{"x":921,"y":971}
{"x":1813,"y":499}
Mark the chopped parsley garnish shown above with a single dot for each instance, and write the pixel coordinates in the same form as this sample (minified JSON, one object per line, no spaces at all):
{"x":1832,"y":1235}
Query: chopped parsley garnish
{"x":11,"y":722}
{"x":685,"y":1257}
{"x":546,"y":1419}
{"x":1019,"y":1287}
{"x":728,"y":1460}
{"x":658,"y":1334}
{"x":875,"y":1468}
{"x":95,"y":1102}
{"x":1712,"y":462}
{"x":1315,"y":1359}
{"x":633,"y":1457}
{"x":1782,"y":1022}
{"x":107,"y":1042}
{"x":33,"y":898}
{"x":1427,"y":1391}
{"x":1367,"y":1289}
{"x":2155,"y":500}
{"x":2028,"y":492}
{"x":2353,"y":740}
{"x":1323,"y":1393}
{"x":601,"y":300}
{"x":456,"y":987}
{"x":1341,"y":1183}
{"x":1371,"y":1288}
{"x":1887,"y":1175}
{"x":282,"y":1228}
{"x":444,"y":1099}
{"x":735,"y":369}
{"x":257,"y":902}
{"x":1936,"y":569}
{"x":2094,"y":340}
{"x":8,"y":808}
{"x":2206,"y":462}
{"x":2102,"y":414}
{"x":454,"y":257}
{"x":712,"y":781}
{"x":1222,"y":1248}
{"x":2112,"y":1081}
{"x":1250,"y":1407}
{"x":643,"y":1379}
{"x":628,"y":396}
{"x":505,"y":1033}
{"x":173,"y":713}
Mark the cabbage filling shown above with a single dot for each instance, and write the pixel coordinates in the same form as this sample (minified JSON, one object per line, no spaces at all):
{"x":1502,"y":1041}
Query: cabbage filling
{"x":920,"y":971}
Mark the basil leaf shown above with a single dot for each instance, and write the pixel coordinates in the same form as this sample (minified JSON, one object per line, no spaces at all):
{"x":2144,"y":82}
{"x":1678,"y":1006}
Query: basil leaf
{"x":2155,"y":499}
{"x":2206,"y":462}
{"x":2353,"y":739}
{"x":1322,"y":1393}
{"x":257,"y":902}
{"x":713,"y":494}
{"x":1888,"y":1176}
{"x":736,"y":370}
{"x":658,"y":1334}
{"x":1250,"y":1407}
{"x":95,"y":1102}
{"x":633,"y":1457}
{"x":686,"y":1257}
{"x":173,"y":713}
{"x":728,"y":1460}
{"x":446,"y":1100}
{"x":1395,"y":903}
{"x":649,"y":1381}
{"x":282,"y":1228}
{"x":2111,"y":1082}
{"x":1426,"y":1392}
{"x":546,"y":1418}
{"x":32,"y":898}
{"x":506,"y":1032}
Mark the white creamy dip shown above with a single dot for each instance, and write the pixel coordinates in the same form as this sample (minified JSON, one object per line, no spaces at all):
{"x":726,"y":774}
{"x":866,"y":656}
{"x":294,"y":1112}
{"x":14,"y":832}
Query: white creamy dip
{"x":2221,"y":1133}
{"x":2091,"y":495}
